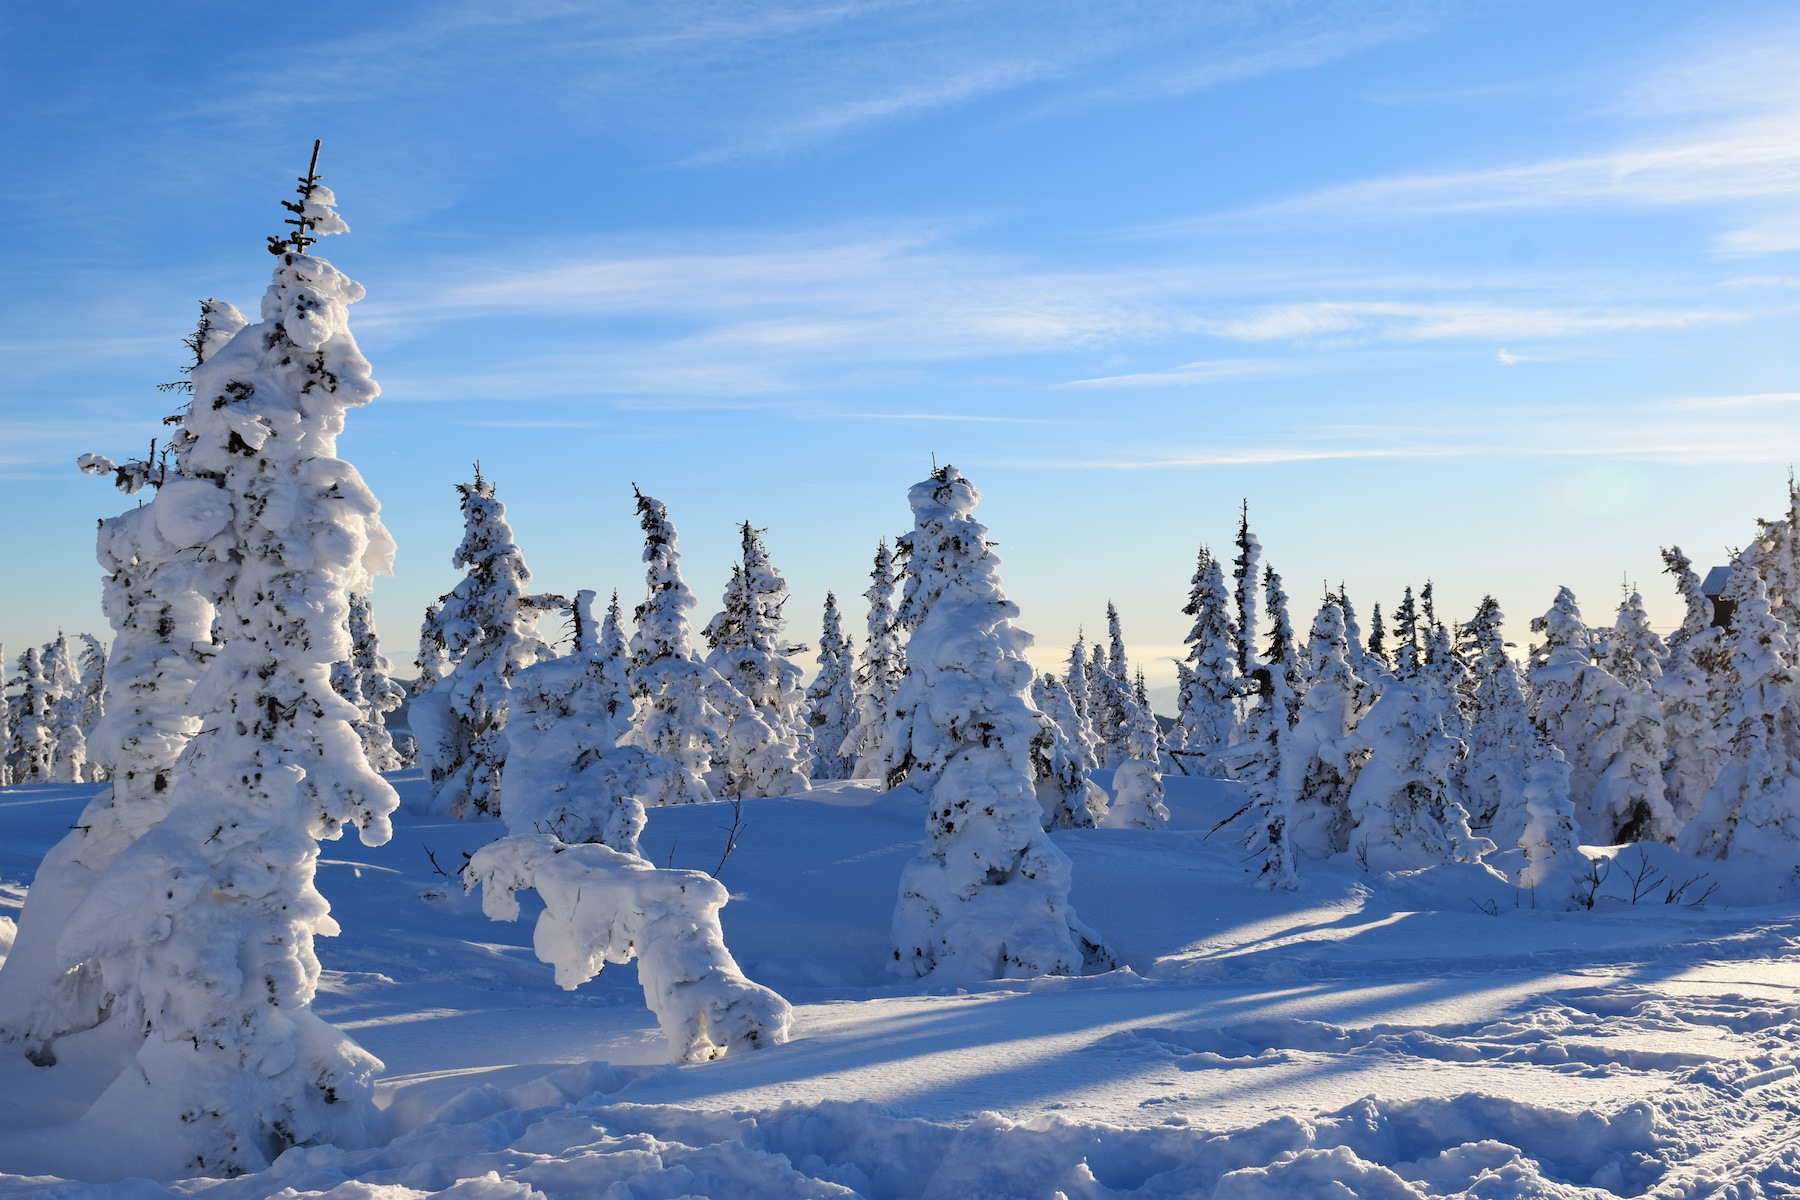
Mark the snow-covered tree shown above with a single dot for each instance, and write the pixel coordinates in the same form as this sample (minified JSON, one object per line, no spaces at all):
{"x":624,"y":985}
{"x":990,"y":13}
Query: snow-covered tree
{"x":1752,"y":810}
{"x":1137,"y":778}
{"x":1256,"y":759}
{"x":1693,"y":694}
{"x":1496,"y":776}
{"x":831,"y":699}
{"x":487,"y":625}
{"x":1069,"y":798}
{"x":433,"y":662}
{"x":363,"y":680}
{"x":91,"y":699}
{"x":213,"y":911}
{"x":1209,"y":684}
{"x":1555,"y":867}
{"x":1081,"y":699}
{"x":1109,"y":694}
{"x":1356,"y":652}
{"x":883,"y":667}
{"x":1409,"y":646}
{"x":1376,"y":661}
{"x":1315,"y":772}
{"x":1404,"y":809}
{"x":1610,"y":733}
{"x":5,"y":725}
{"x":988,"y":895}
{"x":32,"y":751}
{"x":762,"y":755}
{"x":1245,"y":577}
{"x":674,"y":716}
{"x":169,"y":563}
{"x":62,"y":695}
{"x":1634,"y":654}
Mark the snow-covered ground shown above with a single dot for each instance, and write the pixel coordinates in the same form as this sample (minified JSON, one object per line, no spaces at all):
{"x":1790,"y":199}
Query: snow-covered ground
{"x":1369,"y":1035}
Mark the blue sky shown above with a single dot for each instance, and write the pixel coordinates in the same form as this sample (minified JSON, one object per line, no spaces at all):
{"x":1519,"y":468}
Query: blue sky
{"x":1503,"y":295}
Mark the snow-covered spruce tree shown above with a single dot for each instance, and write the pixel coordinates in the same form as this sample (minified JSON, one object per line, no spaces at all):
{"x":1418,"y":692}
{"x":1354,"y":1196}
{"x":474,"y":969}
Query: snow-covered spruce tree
{"x":1775,"y":557}
{"x":433,"y":662}
{"x":1081,"y":699}
{"x":1692,"y":691}
{"x":487,"y":625}
{"x":63,"y":703}
{"x":215,"y":909}
{"x":673,"y":692}
{"x":1610,"y":733}
{"x":1404,"y":809}
{"x":1634,"y":654}
{"x":1555,"y":867}
{"x":169,"y":564}
{"x":1315,"y":772}
{"x":1752,"y":811}
{"x":32,"y":750}
{"x":1109,"y":694}
{"x":1209,"y":684}
{"x":1408,"y":646}
{"x":762,"y":755}
{"x":831,"y":699}
{"x":363,"y":680}
{"x":1376,"y":663}
{"x":1503,"y":744}
{"x":1356,"y":653}
{"x":883,"y":667}
{"x":5,"y":734}
{"x":988,"y":895}
{"x":1256,"y":759}
{"x":91,"y":698}
{"x":1245,"y":578}
{"x":1137,"y":778}
{"x":1069,"y":798}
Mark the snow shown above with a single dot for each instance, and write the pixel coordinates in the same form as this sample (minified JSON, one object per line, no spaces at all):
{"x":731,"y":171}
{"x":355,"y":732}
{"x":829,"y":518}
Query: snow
{"x":1382,"y":1031}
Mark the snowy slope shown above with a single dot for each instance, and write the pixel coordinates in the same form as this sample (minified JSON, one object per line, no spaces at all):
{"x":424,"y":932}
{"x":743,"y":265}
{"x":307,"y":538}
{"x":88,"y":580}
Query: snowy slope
{"x":1411,"y":1035}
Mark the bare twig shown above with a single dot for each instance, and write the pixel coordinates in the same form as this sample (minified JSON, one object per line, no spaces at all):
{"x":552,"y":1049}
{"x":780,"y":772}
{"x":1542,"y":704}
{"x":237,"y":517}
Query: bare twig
{"x":732,"y":833}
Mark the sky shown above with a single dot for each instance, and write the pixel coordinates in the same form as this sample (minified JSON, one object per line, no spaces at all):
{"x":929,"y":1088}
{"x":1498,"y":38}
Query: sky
{"x":1500,"y":295}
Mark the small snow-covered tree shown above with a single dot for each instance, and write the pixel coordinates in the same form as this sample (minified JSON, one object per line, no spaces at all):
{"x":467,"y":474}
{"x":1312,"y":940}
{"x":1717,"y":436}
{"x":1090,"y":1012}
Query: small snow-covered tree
{"x":1634,"y":654}
{"x":363,"y":680}
{"x":762,"y":755}
{"x":1693,"y":693}
{"x":91,"y":700}
{"x":674,"y":716}
{"x":1315,"y":772}
{"x":1495,"y":777}
{"x":1376,"y":662}
{"x":1555,"y":867}
{"x":1356,"y":652}
{"x":32,"y":751}
{"x":433,"y":662}
{"x":883,"y":667}
{"x":1069,"y":798}
{"x":214,"y":910}
{"x":1209,"y":684}
{"x":1137,"y":779}
{"x":988,"y":895}
{"x":5,"y":726}
{"x":62,"y":678}
{"x":1081,"y":699}
{"x":1610,"y":733}
{"x":831,"y":699}
{"x":486,"y":624}
{"x":1256,"y":760}
{"x":1752,"y":810}
{"x":1404,"y":809}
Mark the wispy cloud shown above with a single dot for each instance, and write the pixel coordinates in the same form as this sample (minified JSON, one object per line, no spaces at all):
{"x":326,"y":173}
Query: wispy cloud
{"x":1210,"y":371}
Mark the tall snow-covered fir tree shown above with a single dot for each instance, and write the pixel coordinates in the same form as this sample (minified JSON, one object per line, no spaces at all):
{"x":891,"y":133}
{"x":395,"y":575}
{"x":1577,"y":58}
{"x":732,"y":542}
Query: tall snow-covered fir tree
{"x":169,"y":565}
{"x":1245,"y":578}
{"x":1109,"y":694}
{"x":5,"y":734}
{"x":831,"y":698}
{"x":1209,"y":684}
{"x":214,"y":910}
{"x":1376,"y":661}
{"x":762,"y":755}
{"x":1693,"y":691}
{"x":1752,"y":810}
{"x":1496,"y":776}
{"x":486,"y":625}
{"x":1255,"y":760}
{"x":1315,"y":771}
{"x":1634,"y":654}
{"x":363,"y":680}
{"x":674,"y":716}
{"x":882,"y":668}
{"x":988,"y":894}
{"x":1610,"y":733}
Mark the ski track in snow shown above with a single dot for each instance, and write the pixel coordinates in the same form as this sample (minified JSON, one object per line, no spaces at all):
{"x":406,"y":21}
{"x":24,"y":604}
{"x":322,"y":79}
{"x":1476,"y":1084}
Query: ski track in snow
{"x":1372,"y":1036}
